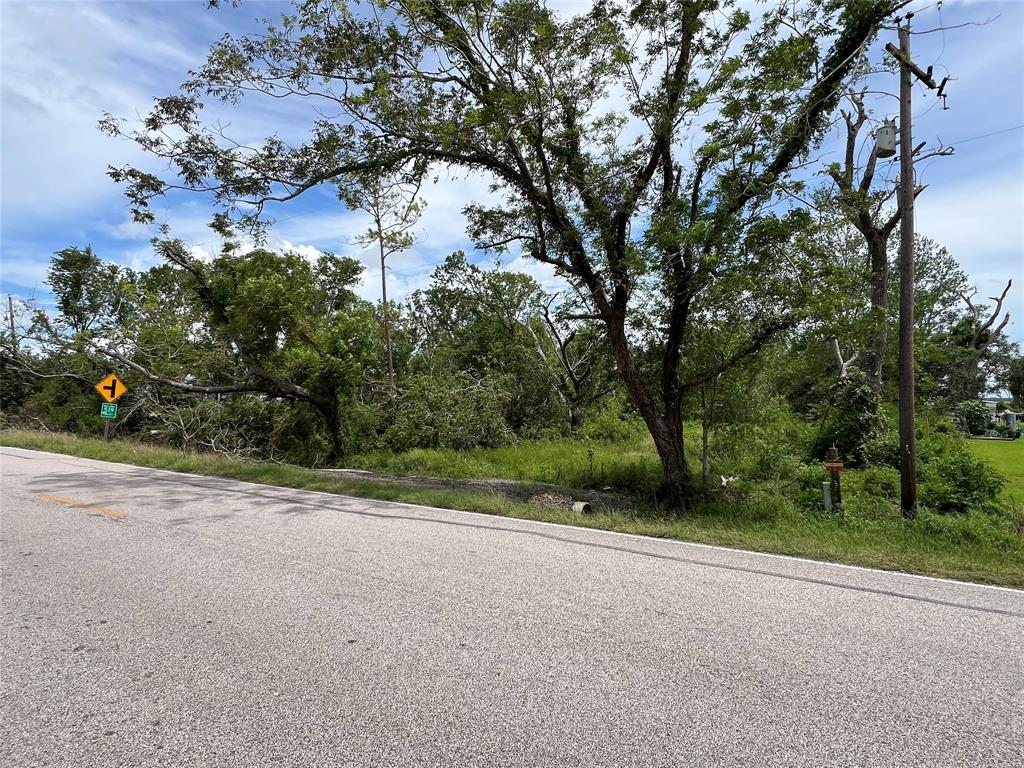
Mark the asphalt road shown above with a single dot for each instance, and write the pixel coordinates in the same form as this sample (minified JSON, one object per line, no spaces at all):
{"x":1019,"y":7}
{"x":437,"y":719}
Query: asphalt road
{"x":151,"y":618}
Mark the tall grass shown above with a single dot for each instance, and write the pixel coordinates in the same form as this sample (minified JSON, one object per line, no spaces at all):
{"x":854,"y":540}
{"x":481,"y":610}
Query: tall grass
{"x":631,"y":466}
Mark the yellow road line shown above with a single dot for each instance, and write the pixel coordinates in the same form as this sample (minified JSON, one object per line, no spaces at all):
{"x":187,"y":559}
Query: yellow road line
{"x":108,"y":511}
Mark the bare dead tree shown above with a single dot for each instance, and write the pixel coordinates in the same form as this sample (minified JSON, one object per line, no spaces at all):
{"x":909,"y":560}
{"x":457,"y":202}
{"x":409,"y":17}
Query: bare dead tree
{"x":980,"y":335}
{"x":865,"y":209}
{"x":843,"y":364}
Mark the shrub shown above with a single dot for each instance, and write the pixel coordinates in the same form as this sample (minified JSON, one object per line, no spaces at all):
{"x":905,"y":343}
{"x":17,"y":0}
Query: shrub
{"x":950,"y":477}
{"x":853,"y":419}
{"x":973,"y":416}
{"x":956,"y":481}
{"x":769,"y":448}
{"x":449,"y":411}
{"x":613,"y":423}
{"x":879,"y":482}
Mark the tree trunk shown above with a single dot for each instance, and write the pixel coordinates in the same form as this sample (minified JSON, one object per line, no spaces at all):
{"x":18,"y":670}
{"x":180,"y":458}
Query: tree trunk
{"x":577,"y":417}
{"x":879,"y":257}
{"x":663,"y":420}
{"x":705,"y":461}
{"x":675,"y":487}
{"x":384,"y":307}
{"x":339,"y":437}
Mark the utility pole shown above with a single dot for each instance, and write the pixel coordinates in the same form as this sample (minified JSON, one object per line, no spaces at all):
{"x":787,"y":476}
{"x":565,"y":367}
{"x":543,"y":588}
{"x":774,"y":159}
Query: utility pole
{"x":384,"y":302}
{"x":907,"y":192}
{"x":14,"y":329}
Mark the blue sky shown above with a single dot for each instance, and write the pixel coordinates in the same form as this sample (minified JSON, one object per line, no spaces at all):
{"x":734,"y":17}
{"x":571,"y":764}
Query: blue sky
{"x":65,"y":63}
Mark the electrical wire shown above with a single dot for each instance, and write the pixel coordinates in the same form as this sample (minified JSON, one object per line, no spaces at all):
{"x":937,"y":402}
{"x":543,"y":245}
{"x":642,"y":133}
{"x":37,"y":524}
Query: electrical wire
{"x":986,"y":135}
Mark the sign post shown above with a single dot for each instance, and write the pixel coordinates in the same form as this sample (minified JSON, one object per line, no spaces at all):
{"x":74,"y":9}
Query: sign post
{"x":111,"y":389}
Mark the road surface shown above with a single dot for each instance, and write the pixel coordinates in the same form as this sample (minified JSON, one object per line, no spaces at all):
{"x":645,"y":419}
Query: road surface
{"x":153,"y":618}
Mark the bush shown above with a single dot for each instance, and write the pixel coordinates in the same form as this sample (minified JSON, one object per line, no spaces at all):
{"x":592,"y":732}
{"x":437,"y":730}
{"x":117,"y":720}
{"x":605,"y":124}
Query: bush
{"x":769,"y":448}
{"x":853,"y":419}
{"x":452,"y":411}
{"x":951,"y":479}
{"x":957,"y":481}
{"x":880,"y":482}
{"x":614,"y":422}
{"x":973,"y":416}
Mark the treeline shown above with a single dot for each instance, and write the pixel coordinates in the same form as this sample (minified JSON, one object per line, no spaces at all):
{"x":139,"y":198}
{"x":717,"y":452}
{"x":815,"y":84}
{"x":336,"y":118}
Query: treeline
{"x":275,"y":356}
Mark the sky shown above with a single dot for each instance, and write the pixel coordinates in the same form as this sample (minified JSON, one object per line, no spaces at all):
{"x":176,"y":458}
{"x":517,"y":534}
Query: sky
{"x":64,"y":63}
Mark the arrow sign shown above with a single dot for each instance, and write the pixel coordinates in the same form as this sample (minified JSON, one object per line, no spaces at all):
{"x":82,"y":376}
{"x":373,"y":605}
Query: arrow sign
{"x":111,"y":388}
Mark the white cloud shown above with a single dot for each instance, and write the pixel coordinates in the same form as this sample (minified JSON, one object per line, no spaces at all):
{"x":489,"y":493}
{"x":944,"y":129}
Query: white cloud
{"x":63,"y":64}
{"x":543,"y":273}
{"x":26,"y":271}
{"x":981,"y":219}
{"x":981,"y":222}
{"x":308,"y":252}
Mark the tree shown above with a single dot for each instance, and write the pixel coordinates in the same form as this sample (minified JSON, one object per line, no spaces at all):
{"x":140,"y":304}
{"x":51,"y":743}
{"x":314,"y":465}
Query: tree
{"x":573,"y":348}
{"x":1015,"y":382}
{"x":492,"y":319}
{"x":863,"y":208}
{"x":964,"y":350}
{"x":90,"y":294}
{"x":613,"y":200}
{"x":394,"y":208}
{"x":271,"y":324}
{"x":486,"y":322}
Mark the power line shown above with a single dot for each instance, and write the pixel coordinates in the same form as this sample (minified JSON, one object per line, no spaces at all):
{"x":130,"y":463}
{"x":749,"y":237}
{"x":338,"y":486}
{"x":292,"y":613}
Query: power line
{"x":986,"y":135}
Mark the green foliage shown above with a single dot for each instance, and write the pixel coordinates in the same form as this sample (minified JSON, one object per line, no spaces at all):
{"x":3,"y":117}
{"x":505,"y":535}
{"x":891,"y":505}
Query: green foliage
{"x":1015,"y":381}
{"x":951,"y":479}
{"x":614,"y":422}
{"x":956,"y":481}
{"x":851,"y":421}
{"x":767,"y":447}
{"x":522,"y":100}
{"x":454,"y":411}
{"x":630,"y":466}
{"x":973,"y":416}
{"x":91,"y":295}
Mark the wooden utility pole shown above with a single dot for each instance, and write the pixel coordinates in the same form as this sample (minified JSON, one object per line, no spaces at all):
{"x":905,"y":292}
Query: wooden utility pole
{"x":14,"y":329}
{"x":384,"y":303}
{"x":908,"y":437}
{"x":907,"y":192}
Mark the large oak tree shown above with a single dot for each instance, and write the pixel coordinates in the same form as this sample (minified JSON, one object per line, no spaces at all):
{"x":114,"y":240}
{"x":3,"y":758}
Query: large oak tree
{"x":637,"y":147}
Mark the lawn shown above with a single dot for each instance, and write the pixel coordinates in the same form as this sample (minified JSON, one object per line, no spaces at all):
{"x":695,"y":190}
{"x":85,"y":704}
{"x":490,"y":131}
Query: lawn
{"x":971,"y":547}
{"x":1008,"y":458}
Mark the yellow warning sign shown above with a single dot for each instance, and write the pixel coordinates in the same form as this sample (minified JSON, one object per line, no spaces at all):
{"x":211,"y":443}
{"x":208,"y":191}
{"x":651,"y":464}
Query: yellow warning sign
{"x":111,"y":388}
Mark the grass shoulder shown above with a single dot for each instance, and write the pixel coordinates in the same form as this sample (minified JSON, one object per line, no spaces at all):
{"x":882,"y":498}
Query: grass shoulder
{"x":983,"y":548}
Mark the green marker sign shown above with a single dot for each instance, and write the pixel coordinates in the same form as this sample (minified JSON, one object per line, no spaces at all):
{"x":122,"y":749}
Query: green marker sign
{"x":108,"y":410}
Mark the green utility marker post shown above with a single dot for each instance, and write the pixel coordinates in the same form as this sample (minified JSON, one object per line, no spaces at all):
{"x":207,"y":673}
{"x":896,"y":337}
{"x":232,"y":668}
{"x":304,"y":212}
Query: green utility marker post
{"x":834,"y":465}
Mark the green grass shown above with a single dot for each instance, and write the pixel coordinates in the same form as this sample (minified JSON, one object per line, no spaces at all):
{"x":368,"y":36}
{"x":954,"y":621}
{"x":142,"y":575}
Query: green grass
{"x":976,"y":547}
{"x":1008,"y":458}
{"x":575,"y":464}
